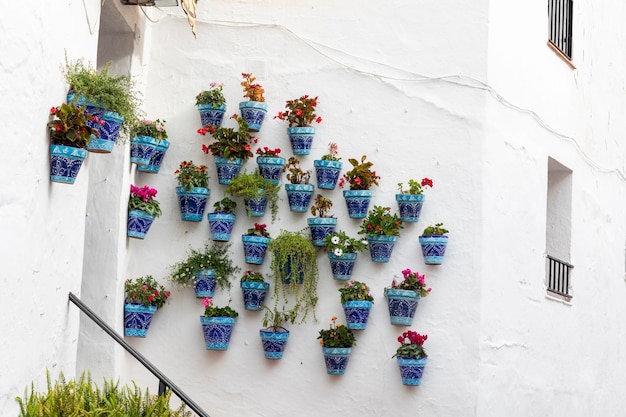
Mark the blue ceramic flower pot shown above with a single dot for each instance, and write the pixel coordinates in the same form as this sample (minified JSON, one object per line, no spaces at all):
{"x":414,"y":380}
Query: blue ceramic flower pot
{"x":358,"y":202}
{"x":336,"y":360}
{"x":381,"y":247}
{"x":217,"y":331}
{"x":342,"y":266}
{"x":327,"y":173}
{"x":321,"y":227}
{"x":254,"y":248}
{"x":357,"y":313}
{"x":227,"y":169}
{"x":274,"y":342}
{"x":433,"y":248}
{"x":255,"y":207}
{"x":402,"y":305}
{"x":204,"y":283}
{"x":154,"y":164}
{"x":211,"y":116}
{"x":137,"y":319}
{"x":221,"y":225}
{"x":270,"y":168}
{"x":139,"y":223}
{"x":192,"y":203}
{"x":410,"y":206}
{"x":301,"y":139}
{"x":254,"y":294}
{"x":142,"y":148}
{"x":411,"y":370}
{"x":299,"y":196}
{"x":65,"y":162}
{"x":107,"y":123}
{"x":253,"y":113}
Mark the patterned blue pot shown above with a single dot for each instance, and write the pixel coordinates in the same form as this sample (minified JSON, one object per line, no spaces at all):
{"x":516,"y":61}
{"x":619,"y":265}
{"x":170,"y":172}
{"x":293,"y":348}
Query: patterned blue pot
{"x":327,"y":173}
{"x":336,"y":360}
{"x":227,"y":169}
{"x":381,"y":247}
{"x":357,"y":313}
{"x":301,"y":139}
{"x":341,"y":266}
{"x":254,"y":248}
{"x":299,"y":196}
{"x":410,"y":206}
{"x":217,"y":331}
{"x":192,"y":203}
{"x":137,"y":318}
{"x":154,"y":164}
{"x":65,"y":162}
{"x":107,"y":130}
{"x":253,"y":113}
{"x":254,"y":294}
{"x":411,"y":370}
{"x":358,"y":202}
{"x":204,"y":283}
{"x":321,"y":227}
{"x":290,"y":273}
{"x":402,"y":305}
{"x":270,"y":168}
{"x":141,"y":149}
{"x":274,"y":342}
{"x":139,"y":223}
{"x":211,"y":116}
{"x":433,"y":248}
{"x":221,"y":225}
{"x":255,"y":207}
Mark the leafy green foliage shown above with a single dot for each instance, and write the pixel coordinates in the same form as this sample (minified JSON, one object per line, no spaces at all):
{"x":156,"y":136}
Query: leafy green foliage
{"x":225,"y":205}
{"x":215,"y":256}
{"x":251,"y":186}
{"x":145,"y":290}
{"x":190,"y":175}
{"x":355,"y":291}
{"x":381,"y":222}
{"x":69,"y":127}
{"x":336,"y":336}
{"x":436,"y":230}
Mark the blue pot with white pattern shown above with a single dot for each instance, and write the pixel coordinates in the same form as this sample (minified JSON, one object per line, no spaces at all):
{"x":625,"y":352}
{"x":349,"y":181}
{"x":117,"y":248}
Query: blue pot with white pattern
{"x":221,"y":225}
{"x":357,"y":313}
{"x":299,"y":196}
{"x":402,"y":305}
{"x":327,"y":173}
{"x":301,"y":139}
{"x":255,"y":207}
{"x":217,"y":331}
{"x":358,"y":202}
{"x":254,"y":248}
{"x":254,"y":294}
{"x":433,"y":248}
{"x":142,"y":148}
{"x":204,"y":283}
{"x":336,"y":360}
{"x":274,"y":342}
{"x":65,"y":162}
{"x":271,"y":168}
{"x":342,"y":265}
{"x":192,"y":202}
{"x":411,"y":369}
{"x":410,"y":206}
{"x":154,"y":164}
{"x":321,"y":227}
{"x":211,"y":116}
{"x":139,"y":222}
{"x":253,"y":112}
{"x":137,"y":319}
{"x":381,"y":247}
{"x":107,"y":123}
{"x":227,"y":169}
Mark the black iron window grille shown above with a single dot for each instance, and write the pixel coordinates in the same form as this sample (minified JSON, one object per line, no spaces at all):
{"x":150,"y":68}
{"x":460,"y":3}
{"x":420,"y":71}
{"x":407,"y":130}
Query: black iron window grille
{"x":559,"y":275}
{"x":561,"y":13}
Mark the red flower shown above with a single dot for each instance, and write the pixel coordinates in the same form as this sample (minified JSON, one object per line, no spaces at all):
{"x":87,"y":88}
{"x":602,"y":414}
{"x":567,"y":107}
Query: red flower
{"x":319,"y":119}
{"x":205,"y":149}
{"x":53,"y":110}
{"x":57,"y":128}
{"x":427,"y":182}
{"x":150,"y":298}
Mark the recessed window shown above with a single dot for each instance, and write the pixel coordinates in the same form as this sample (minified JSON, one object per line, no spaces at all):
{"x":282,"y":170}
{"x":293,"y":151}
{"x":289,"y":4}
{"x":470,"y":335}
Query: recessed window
{"x":560,"y":13}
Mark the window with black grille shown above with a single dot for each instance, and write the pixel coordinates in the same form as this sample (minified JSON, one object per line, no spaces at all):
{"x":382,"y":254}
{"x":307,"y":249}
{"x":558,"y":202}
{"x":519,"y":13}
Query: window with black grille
{"x":560,"y":13}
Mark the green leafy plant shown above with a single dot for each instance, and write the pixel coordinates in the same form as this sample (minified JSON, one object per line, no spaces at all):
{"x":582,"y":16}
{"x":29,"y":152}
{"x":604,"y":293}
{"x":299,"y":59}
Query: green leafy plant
{"x":355,"y":291}
{"x":415,"y":187}
{"x":411,"y":345}
{"x":259,"y":229}
{"x":214,"y":256}
{"x":321,"y":206}
{"x":252,"y":91}
{"x":145,"y":290}
{"x":225,"y":205}
{"x":412,"y":281}
{"x":214,"y":96}
{"x":300,"y":112}
{"x":252,"y":186}
{"x":381,"y":222}
{"x":336,"y":336}
{"x":228,"y":142}
{"x":143,"y":199}
{"x":191,"y":176}
{"x":333,"y":153}
{"x":295,"y":174}
{"x":339,"y":243}
{"x":68,"y":126}
{"x":152,"y":128}
{"x":275,"y":320}
{"x":211,"y":310}
{"x":252,"y":276}
{"x":361,"y":176}
{"x":436,"y":230}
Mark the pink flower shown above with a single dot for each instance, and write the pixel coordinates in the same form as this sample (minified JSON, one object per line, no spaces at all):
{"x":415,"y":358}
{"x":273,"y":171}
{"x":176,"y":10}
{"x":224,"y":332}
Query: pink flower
{"x":207,"y":301}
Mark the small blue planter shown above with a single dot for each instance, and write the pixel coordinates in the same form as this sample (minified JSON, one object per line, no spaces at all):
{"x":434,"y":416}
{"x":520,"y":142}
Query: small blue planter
{"x":65,"y":162}
{"x":192,"y":203}
{"x":381,"y":247}
{"x":336,"y":360}
{"x":342,"y":266}
{"x":358,"y":202}
{"x":299,"y":196}
{"x":327,"y":173}
{"x":301,"y":139}
{"x":254,"y":248}
{"x":402,"y":305}
{"x":141,"y":149}
{"x":410,"y":206}
{"x":274,"y":342}
{"x":433,"y":248}
{"x":137,"y":319}
{"x":253,"y":113}
{"x":154,"y":164}
{"x":217,"y":331}
{"x":255,"y":207}
{"x":211,"y":116}
{"x":357,"y":313}
{"x":254,"y":294}
{"x":290,"y":273}
{"x":270,"y":168}
{"x":320,"y":228}
{"x":139,"y":223}
{"x":221,"y":225}
{"x":227,"y":168}
{"x":411,"y":370}
{"x":204,"y":283}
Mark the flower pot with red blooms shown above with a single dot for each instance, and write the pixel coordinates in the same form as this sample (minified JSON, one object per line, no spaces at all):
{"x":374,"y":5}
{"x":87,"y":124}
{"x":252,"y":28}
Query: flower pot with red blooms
{"x":382,"y":229}
{"x":404,"y":296}
{"x":357,"y":302}
{"x":270,"y":164}
{"x":411,"y":357}
{"x":360,"y":179}
{"x":337,"y":342}
{"x":434,"y":242}
{"x":217,"y":325}
{"x":143,"y":296}
{"x":255,"y":244}
{"x":142,"y":210}
{"x":255,"y":109}
{"x":299,"y":114}
{"x":411,"y":199}
{"x":211,"y":105}
{"x":192,"y":191}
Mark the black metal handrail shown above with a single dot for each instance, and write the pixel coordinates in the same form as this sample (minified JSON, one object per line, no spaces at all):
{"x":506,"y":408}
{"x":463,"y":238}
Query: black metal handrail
{"x":559,"y":276}
{"x":164,"y":382}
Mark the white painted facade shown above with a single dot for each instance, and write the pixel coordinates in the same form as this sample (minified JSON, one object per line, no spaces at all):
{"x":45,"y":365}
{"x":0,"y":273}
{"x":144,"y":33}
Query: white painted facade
{"x":470,"y":95}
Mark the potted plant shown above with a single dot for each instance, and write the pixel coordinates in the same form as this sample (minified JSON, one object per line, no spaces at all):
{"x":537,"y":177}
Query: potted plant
{"x":295,"y":273}
{"x":111,"y":98}
{"x":411,"y":199}
{"x":143,"y":296}
{"x":274,"y":336}
{"x":337,"y":342}
{"x":357,"y":301}
{"x":142,"y":210}
{"x":217,"y":325}
{"x":360,"y":179}
{"x":145,"y":135}
{"x":230,"y":148}
{"x":324,"y":223}
{"x":204,"y":269}
{"x":255,"y":243}
{"x":211,"y":105}
{"x":254,"y":289}
{"x":154,"y":129}
{"x":255,"y":108}
{"x":192,"y":190}
{"x":299,"y":115}
{"x":222,"y":219}
{"x":299,"y":191}
{"x":342,"y":252}
{"x":382,"y":229}
{"x":270,"y":164}
{"x":256,"y":192}
{"x":403,"y":297}
{"x":70,"y":134}
{"x":328,"y":168}
{"x":434,"y":242}
{"x":411,"y":357}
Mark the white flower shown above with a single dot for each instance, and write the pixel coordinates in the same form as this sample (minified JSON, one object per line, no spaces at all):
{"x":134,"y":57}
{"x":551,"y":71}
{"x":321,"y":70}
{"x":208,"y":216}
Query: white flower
{"x":335,"y":240}
{"x":338,"y":252}
{"x":364,"y":242}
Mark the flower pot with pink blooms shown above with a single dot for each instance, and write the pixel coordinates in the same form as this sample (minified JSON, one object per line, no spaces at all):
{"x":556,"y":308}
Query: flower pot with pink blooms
{"x":404,"y":296}
{"x":143,"y":208}
{"x":411,"y":357}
